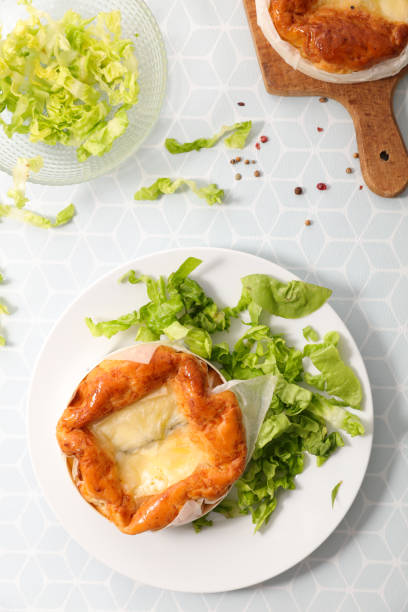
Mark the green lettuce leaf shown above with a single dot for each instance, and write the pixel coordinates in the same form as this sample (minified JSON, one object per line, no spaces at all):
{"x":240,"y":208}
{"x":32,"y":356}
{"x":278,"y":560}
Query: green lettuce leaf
{"x":334,"y":492}
{"x":186,"y":268}
{"x":335,"y":415}
{"x":21,"y":173}
{"x":210,"y":193}
{"x":178,"y":308}
{"x":336,"y":378}
{"x":289,"y":300}
{"x":103,"y":136}
{"x":130,"y":277}
{"x":236,"y":140}
{"x":110,"y":328}
{"x":33,"y":218}
{"x":332,"y":337}
{"x":4,"y":309}
{"x":310,"y":334}
{"x":199,"y":342}
{"x":202,"y":522}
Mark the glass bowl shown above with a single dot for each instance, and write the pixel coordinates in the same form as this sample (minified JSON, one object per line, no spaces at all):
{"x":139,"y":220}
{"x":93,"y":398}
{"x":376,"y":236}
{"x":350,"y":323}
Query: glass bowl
{"x":61,"y":166}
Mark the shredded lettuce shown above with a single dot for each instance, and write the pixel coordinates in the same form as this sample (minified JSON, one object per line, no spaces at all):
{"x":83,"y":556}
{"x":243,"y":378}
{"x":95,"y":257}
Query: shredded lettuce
{"x":201,"y":522}
{"x":300,"y":421}
{"x":310,"y":334}
{"x":335,"y":415}
{"x":21,"y":172}
{"x":4,"y":309}
{"x":236,"y":140}
{"x":17,"y":193}
{"x":69,"y":81}
{"x":334,"y":492}
{"x":210,"y":193}
{"x":32,"y":218}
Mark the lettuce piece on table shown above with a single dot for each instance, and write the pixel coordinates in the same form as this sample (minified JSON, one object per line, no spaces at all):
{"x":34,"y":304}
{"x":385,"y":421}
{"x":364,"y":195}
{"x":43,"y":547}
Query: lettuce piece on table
{"x":21,"y":173}
{"x":32,"y":218}
{"x":210,"y":193}
{"x":236,"y":140}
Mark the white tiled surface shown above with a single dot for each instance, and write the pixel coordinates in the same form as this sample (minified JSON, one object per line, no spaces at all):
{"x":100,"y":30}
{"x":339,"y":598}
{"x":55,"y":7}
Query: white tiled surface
{"x":357,"y":245}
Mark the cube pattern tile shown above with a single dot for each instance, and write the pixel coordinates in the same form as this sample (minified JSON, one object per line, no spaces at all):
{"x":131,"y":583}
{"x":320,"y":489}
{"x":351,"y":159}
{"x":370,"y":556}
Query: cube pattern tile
{"x":357,"y":244}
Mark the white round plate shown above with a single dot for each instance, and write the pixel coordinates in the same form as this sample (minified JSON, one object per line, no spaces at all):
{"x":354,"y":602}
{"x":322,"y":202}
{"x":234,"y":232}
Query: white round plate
{"x":228,"y":555}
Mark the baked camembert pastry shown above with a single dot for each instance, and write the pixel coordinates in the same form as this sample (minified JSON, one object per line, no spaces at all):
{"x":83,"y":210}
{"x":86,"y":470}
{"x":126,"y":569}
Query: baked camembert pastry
{"x":343,"y":35}
{"x":339,"y":36}
{"x":143,"y":439}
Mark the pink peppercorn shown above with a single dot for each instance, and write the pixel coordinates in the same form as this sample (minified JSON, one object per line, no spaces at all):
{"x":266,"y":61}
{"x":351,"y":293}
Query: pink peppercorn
{"x":257,"y":146}
{"x":264,"y":139}
{"x":320,"y":129}
{"x":321,"y":186}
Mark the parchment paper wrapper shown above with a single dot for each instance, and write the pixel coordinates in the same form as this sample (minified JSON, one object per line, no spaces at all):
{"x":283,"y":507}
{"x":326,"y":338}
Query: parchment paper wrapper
{"x":292,"y":56}
{"x":254,"y":397}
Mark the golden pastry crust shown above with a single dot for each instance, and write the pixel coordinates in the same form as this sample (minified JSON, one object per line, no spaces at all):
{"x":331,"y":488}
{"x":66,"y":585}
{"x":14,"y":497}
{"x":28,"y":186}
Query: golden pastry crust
{"x":338,"y":40}
{"x":214,"y":421}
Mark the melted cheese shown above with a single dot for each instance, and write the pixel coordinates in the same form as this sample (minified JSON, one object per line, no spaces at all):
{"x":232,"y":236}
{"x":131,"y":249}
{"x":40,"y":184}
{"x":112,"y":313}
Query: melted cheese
{"x":150,"y":443}
{"x":159,"y":465}
{"x":393,"y":10}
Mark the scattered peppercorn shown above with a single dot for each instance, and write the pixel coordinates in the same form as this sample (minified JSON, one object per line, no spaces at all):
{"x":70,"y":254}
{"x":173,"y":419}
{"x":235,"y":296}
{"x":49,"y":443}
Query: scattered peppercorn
{"x":356,"y":155}
{"x":321,"y":186}
{"x":308,"y":222}
{"x":232,"y":161}
{"x":257,"y":146}
{"x":349,"y":170}
{"x":360,"y":187}
{"x":298,"y":190}
{"x":238,"y":159}
{"x":320,"y":129}
{"x":238,"y":177}
{"x":257,"y":173}
{"x":241,"y":103}
{"x":264,"y":139}
{"x":254,"y":161}
{"x":323,"y":100}
{"x":246,"y":161}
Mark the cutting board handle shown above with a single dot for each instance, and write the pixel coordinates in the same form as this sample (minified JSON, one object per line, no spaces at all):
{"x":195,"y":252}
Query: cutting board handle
{"x":383,"y":156}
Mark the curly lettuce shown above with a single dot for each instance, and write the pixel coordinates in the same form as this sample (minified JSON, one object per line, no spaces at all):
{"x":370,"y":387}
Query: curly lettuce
{"x":17,"y":193}
{"x":236,"y":140}
{"x":210,"y":193}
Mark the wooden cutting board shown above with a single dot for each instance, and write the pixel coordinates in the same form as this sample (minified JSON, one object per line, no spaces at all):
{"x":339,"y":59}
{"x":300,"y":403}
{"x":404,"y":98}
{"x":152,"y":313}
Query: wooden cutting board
{"x":383,"y":156}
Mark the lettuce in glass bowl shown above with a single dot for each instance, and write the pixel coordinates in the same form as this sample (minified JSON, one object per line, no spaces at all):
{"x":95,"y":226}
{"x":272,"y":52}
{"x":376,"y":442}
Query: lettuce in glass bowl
{"x":80,"y":85}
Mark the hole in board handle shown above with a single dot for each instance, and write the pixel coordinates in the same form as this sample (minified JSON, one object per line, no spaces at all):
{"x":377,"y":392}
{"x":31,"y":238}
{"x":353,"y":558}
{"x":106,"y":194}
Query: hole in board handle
{"x":384,"y":156}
